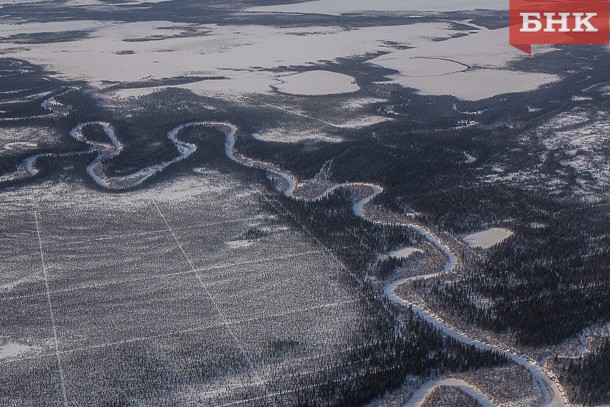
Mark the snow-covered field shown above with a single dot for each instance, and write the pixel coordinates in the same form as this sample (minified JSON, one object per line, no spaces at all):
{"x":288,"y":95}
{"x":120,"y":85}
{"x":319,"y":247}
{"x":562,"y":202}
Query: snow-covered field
{"x":488,"y":238}
{"x":154,"y":269}
{"x":417,"y":67}
{"x":477,"y":84}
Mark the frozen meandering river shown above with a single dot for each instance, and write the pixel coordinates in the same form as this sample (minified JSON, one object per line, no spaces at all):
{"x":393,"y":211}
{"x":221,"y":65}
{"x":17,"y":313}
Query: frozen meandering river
{"x":548,"y":389}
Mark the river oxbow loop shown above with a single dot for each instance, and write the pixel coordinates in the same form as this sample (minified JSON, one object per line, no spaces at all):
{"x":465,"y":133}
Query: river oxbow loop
{"x":558,"y":22}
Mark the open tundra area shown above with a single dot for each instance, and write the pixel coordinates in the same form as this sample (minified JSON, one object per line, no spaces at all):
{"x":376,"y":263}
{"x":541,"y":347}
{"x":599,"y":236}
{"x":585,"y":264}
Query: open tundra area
{"x":329,"y":203}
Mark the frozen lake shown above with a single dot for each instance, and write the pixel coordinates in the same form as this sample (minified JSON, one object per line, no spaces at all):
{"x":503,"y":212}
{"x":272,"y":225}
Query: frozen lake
{"x":317,"y":83}
{"x":244,"y":59}
{"x":488,"y":238}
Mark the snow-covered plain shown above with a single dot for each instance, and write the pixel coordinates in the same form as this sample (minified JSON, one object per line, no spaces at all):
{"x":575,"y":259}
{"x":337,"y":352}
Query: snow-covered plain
{"x":417,"y":67}
{"x":88,"y":3}
{"x":241,"y":79}
{"x":336,"y":7}
{"x":239,"y":244}
{"x":243,"y":57}
{"x":488,"y":238}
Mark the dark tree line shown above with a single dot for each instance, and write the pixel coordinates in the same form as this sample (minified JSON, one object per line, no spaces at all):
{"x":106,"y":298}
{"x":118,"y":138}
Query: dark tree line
{"x":545,"y":284}
{"x":405,"y":345}
{"x":591,"y":376}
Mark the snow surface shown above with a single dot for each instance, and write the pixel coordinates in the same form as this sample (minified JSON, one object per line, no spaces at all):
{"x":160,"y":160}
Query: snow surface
{"x":286,"y":135}
{"x":317,"y":83}
{"x":582,"y":134}
{"x":12,"y":349}
{"x":240,"y":244}
{"x":244,"y":58}
{"x":82,"y":2}
{"x":18,"y":145}
{"x":13,"y":138}
{"x":487,"y":53}
{"x":244,"y":55}
{"x":417,"y":67}
{"x":336,"y":7}
{"x":488,"y":238}
{"x":404,"y":252}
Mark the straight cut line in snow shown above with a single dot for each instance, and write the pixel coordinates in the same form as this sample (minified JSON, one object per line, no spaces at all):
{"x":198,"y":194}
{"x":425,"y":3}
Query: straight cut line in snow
{"x":52,"y":315}
{"x":196,"y":329}
{"x":223,"y":319}
{"x":205,"y":288}
{"x":168,"y":275}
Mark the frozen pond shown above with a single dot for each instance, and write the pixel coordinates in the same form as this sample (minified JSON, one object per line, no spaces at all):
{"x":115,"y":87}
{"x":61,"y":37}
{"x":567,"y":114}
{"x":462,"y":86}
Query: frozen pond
{"x":488,"y":238}
{"x":317,"y":83}
{"x":473,"y":67}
